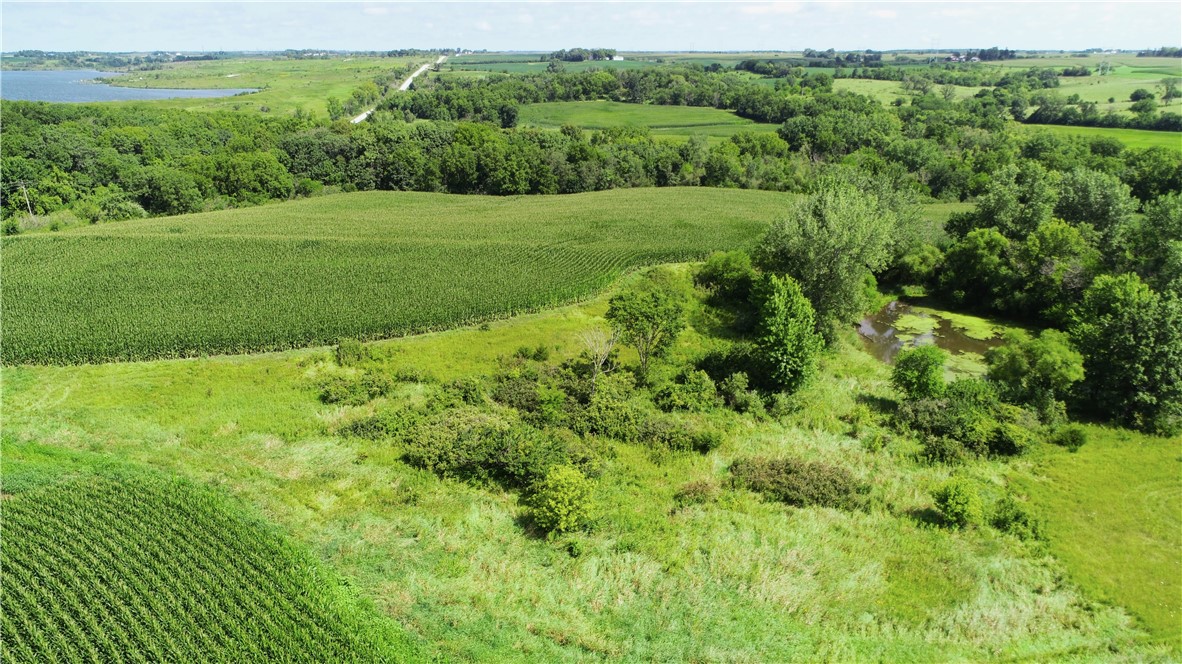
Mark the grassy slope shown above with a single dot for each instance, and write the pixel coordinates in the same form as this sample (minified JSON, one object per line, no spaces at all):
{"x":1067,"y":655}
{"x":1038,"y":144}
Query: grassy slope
{"x":1116,"y":523}
{"x":106,"y":562}
{"x":289,"y":84}
{"x":367,"y":264}
{"x":1132,"y":138}
{"x":741,"y":580}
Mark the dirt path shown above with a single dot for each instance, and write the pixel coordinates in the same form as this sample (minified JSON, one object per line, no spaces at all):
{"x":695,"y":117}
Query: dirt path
{"x":402,"y":88}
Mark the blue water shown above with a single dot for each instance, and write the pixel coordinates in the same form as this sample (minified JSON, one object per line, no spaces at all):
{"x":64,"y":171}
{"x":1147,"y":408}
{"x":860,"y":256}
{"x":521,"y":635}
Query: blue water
{"x":79,"y":86}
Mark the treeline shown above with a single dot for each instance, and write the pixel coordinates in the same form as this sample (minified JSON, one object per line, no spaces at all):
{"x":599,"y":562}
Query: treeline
{"x":1163,"y":52}
{"x":582,"y":54}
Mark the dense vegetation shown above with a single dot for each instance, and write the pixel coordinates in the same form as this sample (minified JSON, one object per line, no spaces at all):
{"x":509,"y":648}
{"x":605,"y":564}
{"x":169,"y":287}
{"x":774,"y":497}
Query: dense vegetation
{"x":104,"y":562}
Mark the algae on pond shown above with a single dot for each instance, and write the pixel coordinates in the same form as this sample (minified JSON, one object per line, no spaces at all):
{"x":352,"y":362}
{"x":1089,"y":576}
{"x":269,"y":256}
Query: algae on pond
{"x":901,"y":325}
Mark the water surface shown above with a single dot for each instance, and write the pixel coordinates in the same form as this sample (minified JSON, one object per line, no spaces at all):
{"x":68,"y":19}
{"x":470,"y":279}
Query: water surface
{"x":78,"y":85}
{"x":900,"y":325}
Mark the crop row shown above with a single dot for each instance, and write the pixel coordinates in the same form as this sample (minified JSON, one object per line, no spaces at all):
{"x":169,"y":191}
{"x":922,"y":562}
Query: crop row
{"x":144,"y":569}
{"x":364,"y":265}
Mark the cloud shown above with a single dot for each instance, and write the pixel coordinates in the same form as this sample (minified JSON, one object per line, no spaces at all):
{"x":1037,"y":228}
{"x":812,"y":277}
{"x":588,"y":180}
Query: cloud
{"x":484,"y":26}
{"x":771,"y":8}
{"x":885,"y":13}
{"x":375,"y":11}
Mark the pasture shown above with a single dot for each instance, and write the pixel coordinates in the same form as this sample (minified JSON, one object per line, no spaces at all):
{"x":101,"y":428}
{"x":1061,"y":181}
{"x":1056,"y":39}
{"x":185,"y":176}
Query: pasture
{"x":365,"y":265}
{"x":106,"y":562}
{"x":451,"y":563}
{"x":1132,"y":138}
{"x":285,"y":84}
{"x":678,"y":122}
{"x":1114,"y":519}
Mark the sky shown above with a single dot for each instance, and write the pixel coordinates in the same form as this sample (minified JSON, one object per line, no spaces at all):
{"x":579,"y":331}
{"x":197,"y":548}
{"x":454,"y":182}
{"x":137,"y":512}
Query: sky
{"x":547,"y":26}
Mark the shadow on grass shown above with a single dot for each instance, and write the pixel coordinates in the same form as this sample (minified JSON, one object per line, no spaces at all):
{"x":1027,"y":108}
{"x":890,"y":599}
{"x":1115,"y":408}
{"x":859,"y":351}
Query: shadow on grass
{"x":925,"y":517}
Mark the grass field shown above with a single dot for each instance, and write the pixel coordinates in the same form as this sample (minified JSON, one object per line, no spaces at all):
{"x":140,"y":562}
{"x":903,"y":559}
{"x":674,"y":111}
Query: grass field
{"x":722,"y":581}
{"x":364,"y":265}
{"x":678,"y":122}
{"x":1132,"y":138}
{"x":104,"y":562}
{"x":1115,"y":520}
{"x":285,"y":84}
{"x":888,"y":91}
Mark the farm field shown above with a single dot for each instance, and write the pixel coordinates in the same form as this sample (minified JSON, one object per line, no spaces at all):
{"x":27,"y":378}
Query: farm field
{"x":1132,"y":138}
{"x":104,"y":561}
{"x":353,"y":265}
{"x":285,"y":84}
{"x":673,"y":122}
{"x":1114,"y":519}
{"x":888,"y":91}
{"x":450,"y":561}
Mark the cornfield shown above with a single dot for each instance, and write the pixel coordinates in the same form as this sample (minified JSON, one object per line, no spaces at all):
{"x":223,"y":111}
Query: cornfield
{"x":364,"y":265}
{"x":135,"y":568}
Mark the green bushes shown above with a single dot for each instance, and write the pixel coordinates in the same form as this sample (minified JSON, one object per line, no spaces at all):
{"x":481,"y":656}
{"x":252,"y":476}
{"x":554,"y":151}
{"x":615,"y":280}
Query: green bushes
{"x":699,"y":492}
{"x":694,"y":391}
{"x":959,"y":503}
{"x":919,"y":372}
{"x":1013,"y":517}
{"x":561,"y":501}
{"x":355,"y":390}
{"x":968,"y":420}
{"x":1072,"y":437}
{"x":798,"y":483}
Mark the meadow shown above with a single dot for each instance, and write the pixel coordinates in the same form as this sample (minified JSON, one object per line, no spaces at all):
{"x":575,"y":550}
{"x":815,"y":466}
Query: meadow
{"x":737,"y":579}
{"x":284,"y":84}
{"x":361,"y":265}
{"x":106,"y":561}
{"x":1132,"y":138}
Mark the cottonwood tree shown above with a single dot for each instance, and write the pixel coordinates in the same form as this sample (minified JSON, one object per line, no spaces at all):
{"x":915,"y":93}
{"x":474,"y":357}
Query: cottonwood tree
{"x":831,"y":242}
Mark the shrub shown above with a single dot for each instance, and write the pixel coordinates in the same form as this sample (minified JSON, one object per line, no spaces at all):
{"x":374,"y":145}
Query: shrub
{"x":919,"y":372}
{"x":385,"y":423}
{"x":728,"y":274}
{"x":1071,"y":436}
{"x":12,"y":226}
{"x":351,"y":352}
{"x":678,"y":435}
{"x":959,"y":503}
{"x":355,"y":390}
{"x":694,"y":391}
{"x":561,"y":502}
{"x":1011,"y":516}
{"x":796,"y":482}
{"x":736,"y":395}
{"x":458,"y":442}
{"x":699,"y":492}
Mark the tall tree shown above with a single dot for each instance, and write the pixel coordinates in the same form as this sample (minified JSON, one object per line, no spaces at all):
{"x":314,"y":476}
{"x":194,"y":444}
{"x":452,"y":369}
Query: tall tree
{"x":786,"y":333}
{"x":649,"y":320}
{"x":831,"y":242}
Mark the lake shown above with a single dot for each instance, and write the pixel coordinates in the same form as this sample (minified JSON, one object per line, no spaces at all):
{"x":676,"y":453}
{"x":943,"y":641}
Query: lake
{"x":78,"y":85}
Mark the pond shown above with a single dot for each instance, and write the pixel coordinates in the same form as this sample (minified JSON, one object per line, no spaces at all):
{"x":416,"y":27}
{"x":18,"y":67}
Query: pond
{"x":79,"y":85}
{"x":901,"y":325}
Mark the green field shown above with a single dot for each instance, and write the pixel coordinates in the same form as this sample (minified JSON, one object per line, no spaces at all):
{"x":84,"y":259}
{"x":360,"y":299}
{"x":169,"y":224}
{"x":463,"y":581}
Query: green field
{"x":103,"y":562}
{"x":363,"y":265}
{"x":536,"y":66}
{"x":285,"y":84}
{"x":667,"y":121}
{"x":724,"y":581}
{"x":1132,"y":138}
{"x":1114,"y":518}
{"x":888,"y":91}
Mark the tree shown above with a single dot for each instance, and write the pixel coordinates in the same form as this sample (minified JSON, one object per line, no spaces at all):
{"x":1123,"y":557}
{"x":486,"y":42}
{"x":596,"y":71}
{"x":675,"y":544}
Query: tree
{"x":163,"y":190}
{"x":786,"y":333}
{"x":919,"y":372}
{"x":649,"y":320}
{"x":1018,"y":199}
{"x":1140,"y":94}
{"x":600,"y":345}
{"x":830,"y":243}
{"x":1152,"y":243}
{"x":1037,"y":372}
{"x":1095,"y":198}
{"x":977,"y":270}
{"x":1131,"y":341}
{"x":1054,"y":264}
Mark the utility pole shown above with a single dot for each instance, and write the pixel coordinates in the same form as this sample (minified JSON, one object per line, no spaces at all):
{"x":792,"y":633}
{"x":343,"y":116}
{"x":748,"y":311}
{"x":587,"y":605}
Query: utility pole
{"x":25,"y":191}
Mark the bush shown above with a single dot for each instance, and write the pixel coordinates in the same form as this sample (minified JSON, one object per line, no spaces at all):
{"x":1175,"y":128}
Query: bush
{"x":694,"y":391}
{"x":1011,"y":516}
{"x":796,"y":482}
{"x":351,"y":352}
{"x":740,"y":399}
{"x":678,"y":435}
{"x":728,"y":275}
{"x":355,"y":390}
{"x":919,"y":372}
{"x":699,"y":492}
{"x":561,"y":502}
{"x":959,"y":503}
{"x":383,"y":424}
{"x":1071,"y":436}
{"x":12,"y":226}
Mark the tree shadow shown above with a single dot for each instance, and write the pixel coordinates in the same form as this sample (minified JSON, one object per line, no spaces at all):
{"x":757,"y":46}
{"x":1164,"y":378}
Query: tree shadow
{"x":925,"y":517}
{"x":881,"y":405}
